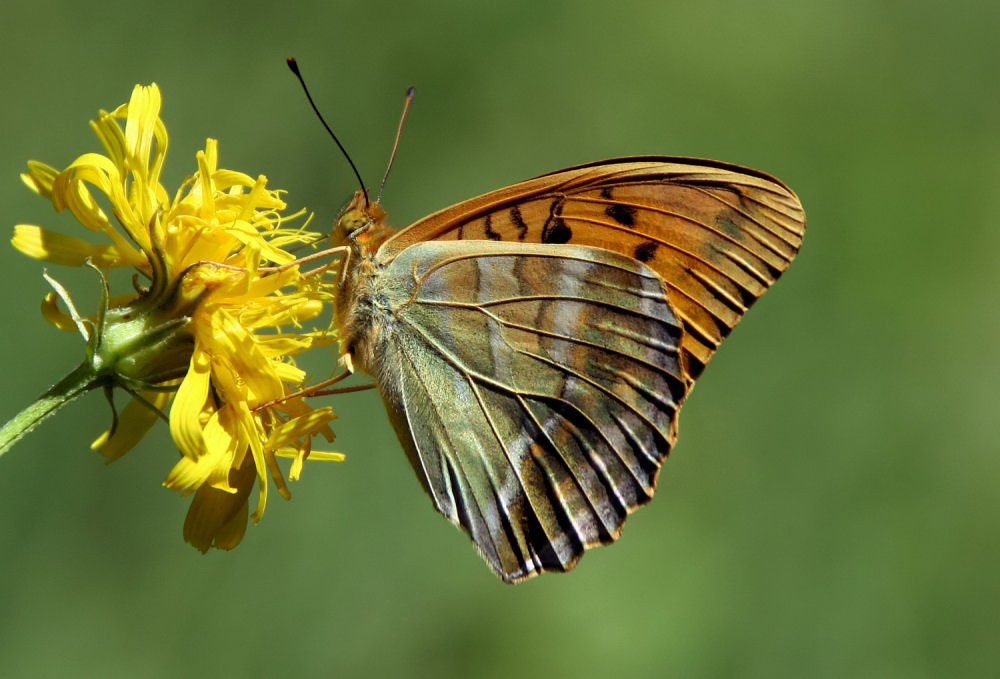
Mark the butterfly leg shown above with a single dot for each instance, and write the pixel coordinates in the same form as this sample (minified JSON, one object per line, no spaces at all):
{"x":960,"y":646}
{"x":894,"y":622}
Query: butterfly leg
{"x":347,"y":362}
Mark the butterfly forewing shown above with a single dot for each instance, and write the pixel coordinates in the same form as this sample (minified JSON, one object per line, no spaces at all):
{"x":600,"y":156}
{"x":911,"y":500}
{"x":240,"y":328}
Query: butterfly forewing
{"x":536,"y":391}
{"x":718,"y":235}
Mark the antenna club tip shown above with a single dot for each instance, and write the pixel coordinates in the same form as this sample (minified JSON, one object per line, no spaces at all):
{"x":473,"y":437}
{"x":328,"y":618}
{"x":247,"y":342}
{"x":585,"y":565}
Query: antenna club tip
{"x":292,"y":64}
{"x":410,"y":91}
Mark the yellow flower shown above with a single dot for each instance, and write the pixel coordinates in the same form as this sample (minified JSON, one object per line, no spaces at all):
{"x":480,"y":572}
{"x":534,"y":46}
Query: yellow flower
{"x":218,"y":311}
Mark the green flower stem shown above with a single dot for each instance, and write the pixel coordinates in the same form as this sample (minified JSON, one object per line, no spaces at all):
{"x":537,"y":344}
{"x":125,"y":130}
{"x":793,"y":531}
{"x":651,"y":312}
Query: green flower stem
{"x":81,"y":380}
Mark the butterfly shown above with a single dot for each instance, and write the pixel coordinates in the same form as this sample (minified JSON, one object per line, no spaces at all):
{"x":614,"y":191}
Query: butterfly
{"x":533,"y":345}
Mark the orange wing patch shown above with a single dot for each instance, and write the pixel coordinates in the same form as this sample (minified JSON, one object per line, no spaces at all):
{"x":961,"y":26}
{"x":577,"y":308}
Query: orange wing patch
{"x":718,"y":235}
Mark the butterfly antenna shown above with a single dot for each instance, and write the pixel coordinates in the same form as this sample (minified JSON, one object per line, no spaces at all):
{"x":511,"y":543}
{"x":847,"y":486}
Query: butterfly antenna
{"x":410,"y":92}
{"x":294,"y":67}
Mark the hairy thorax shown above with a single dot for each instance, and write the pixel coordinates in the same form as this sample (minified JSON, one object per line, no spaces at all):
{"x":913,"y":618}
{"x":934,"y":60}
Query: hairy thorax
{"x":359,"y":315}
{"x":360,"y":312}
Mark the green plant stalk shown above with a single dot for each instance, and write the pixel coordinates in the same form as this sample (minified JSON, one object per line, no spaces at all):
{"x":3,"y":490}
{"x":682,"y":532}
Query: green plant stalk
{"x":81,"y":380}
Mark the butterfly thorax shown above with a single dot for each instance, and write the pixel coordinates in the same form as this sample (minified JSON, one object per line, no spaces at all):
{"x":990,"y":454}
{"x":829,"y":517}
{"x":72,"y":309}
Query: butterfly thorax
{"x":360,"y":308}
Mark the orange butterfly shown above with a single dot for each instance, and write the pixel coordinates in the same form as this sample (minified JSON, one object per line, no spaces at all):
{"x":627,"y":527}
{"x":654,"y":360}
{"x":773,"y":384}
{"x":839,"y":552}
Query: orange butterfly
{"x":533,"y":345}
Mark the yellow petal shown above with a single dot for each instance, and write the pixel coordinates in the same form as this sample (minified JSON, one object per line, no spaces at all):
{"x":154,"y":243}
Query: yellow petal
{"x":72,"y":190}
{"x":249,"y":236}
{"x":288,"y":373}
{"x":217,"y":518}
{"x":189,"y":474}
{"x":299,"y":458}
{"x":221,"y":439}
{"x":299,"y":427}
{"x":186,"y":413}
{"x":39,"y":178}
{"x":262,"y":462}
{"x":60,"y":248}
{"x":141,"y":132}
{"x":228,"y":180}
{"x":56,"y":316}
{"x":69,"y":190}
{"x":109,"y":132}
{"x":203,"y":183}
{"x":256,"y":377}
{"x":276,"y":346}
{"x":327,"y":456}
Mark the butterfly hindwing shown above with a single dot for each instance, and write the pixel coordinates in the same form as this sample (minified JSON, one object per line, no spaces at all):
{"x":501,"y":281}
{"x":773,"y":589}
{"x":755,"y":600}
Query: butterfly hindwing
{"x":718,"y":235}
{"x":535,"y":388}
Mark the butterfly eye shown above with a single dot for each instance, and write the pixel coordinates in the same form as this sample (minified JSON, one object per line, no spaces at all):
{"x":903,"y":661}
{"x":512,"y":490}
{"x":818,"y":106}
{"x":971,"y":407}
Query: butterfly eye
{"x":348,"y":225}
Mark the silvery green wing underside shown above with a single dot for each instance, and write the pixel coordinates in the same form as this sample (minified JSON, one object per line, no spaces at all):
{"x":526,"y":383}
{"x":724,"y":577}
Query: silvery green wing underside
{"x":535,"y":388}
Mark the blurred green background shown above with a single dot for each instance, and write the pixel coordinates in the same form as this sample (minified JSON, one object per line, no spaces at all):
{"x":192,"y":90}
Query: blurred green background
{"x":831,"y":509}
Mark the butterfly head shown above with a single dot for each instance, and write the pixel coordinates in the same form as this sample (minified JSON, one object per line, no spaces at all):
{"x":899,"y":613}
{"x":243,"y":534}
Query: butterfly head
{"x":359,"y":222}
